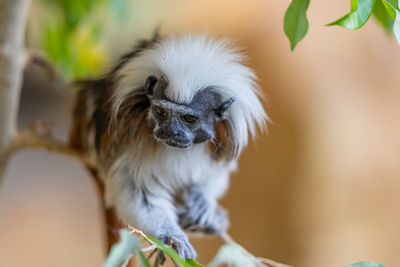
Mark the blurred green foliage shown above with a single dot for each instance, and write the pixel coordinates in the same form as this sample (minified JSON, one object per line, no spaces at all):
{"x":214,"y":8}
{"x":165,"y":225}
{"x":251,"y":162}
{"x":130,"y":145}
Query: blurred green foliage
{"x":72,"y":35}
{"x":227,"y":255}
{"x":365,"y":264}
{"x":386,"y":12}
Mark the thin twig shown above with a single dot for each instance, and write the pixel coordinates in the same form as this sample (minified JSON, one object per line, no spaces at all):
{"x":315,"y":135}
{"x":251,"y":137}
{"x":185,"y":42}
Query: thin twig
{"x":153,"y":246}
{"x":35,"y":58}
{"x":149,"y":248}
{"x":139,"y":232}
{"x":273,"y":263}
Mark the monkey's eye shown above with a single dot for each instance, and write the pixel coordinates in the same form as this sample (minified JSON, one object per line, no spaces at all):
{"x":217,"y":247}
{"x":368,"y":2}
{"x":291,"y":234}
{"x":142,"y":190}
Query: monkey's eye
{"x":189,"y":118}
{"x":160,"y":111}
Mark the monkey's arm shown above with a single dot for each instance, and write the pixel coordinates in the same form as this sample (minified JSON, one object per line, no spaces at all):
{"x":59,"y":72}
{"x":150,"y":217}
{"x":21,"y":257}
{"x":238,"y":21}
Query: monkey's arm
{"x":201,"y":212}
{"x":151,"y":210}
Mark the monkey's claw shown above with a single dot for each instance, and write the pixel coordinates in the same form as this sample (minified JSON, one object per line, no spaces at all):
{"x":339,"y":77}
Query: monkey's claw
{"x":181,"y":245}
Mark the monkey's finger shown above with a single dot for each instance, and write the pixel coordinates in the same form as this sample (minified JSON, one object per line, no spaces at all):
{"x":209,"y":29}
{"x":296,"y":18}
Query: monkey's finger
{"x":156,"y":262}
{"x":152,"y":253}
{"x":161,"y":257}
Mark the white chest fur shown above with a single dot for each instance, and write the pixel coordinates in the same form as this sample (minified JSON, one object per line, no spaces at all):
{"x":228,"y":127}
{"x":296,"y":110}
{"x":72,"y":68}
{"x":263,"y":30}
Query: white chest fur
{"x":171,"y":169}
{"x":177,"y":168}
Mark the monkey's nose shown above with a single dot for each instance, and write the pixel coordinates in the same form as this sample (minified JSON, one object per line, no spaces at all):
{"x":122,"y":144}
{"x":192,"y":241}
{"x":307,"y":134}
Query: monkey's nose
{"x":180,"y":136}
{"x":177,"y":134}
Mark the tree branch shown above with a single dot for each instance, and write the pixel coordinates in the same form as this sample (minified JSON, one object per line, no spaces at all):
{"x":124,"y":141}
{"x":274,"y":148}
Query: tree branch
{"x":13,"y":15}
{"x":38,"y":136}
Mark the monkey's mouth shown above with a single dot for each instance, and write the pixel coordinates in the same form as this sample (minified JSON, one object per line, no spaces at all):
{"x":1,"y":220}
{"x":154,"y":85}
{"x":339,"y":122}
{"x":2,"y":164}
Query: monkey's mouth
{"x":172,"y":143}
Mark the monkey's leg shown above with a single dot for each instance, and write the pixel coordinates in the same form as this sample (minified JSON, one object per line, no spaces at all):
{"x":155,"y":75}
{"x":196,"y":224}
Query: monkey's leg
{"x":202,"y":213}
{"x":150,"y":210}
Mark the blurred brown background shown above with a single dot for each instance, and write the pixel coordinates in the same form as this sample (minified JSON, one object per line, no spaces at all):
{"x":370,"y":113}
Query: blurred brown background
{"x":321,"y":188}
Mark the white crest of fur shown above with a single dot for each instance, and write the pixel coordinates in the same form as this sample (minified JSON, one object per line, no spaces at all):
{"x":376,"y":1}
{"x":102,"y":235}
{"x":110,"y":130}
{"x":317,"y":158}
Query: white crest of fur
{"x":191,"y":63}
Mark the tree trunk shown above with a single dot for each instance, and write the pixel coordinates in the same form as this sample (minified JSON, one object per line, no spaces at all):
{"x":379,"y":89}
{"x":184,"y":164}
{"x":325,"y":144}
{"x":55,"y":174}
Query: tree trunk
{"x":13,"y":14}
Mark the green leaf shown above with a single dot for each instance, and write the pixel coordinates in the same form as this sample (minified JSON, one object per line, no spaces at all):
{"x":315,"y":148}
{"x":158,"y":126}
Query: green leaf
{"x":391,"y":6}
{"x":361,"y":11}
{"x":396,"y":26}
{"x":171,"y":253}
{"x":393,"y":9}
{"x":295,"y":22}
{"x":232,"y":254}
{"x":194,"y":263}
{"x":383,"y":17}
{"x":143,"y":262}
{"x":365,"y":264}
{"x":121,"y":9}
{"x":123,"y":250}
{"x":393,"y":3}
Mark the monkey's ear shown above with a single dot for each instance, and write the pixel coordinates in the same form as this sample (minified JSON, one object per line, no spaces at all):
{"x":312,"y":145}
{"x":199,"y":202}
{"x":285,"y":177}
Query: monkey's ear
{"x":150,"y":83}
{"x":224,"y":106}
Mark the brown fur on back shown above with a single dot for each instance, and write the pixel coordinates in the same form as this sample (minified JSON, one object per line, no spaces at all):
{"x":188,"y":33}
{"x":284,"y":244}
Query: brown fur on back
{"x":99,"y":129}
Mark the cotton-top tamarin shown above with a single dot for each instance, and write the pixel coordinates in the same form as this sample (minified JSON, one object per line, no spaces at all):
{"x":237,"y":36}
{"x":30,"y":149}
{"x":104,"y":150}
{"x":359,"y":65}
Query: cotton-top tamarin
{"x":166,"y":126}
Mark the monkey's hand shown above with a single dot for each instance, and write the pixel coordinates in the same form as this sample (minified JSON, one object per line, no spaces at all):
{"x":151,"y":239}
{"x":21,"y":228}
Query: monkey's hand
{"x":153,"y":212}
{"x":203,"y":215}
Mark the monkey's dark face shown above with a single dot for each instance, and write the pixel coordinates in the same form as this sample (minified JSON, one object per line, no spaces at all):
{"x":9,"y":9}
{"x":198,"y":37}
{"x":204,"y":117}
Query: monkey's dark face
{"x":181,"y":125}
